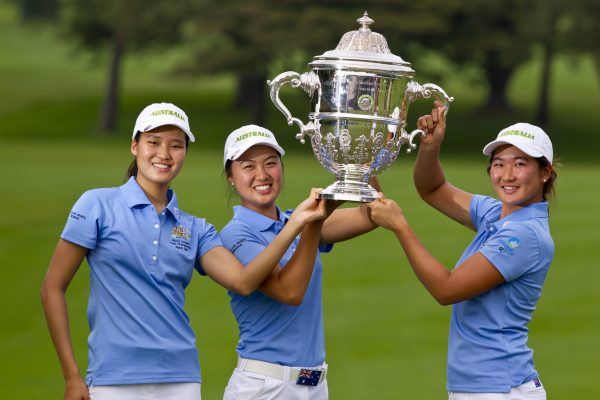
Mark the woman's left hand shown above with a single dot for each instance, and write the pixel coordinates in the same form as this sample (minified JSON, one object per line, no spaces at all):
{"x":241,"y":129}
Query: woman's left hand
{"x":387,"y":213}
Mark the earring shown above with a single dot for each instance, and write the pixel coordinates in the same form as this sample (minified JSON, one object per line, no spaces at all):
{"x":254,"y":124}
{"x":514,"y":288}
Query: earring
{"x":544,"y":180}
{"x":233,"y":184}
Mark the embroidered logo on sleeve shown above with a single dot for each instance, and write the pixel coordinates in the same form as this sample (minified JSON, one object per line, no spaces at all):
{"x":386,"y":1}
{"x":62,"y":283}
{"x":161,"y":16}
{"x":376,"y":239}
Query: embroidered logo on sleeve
{"x":76,"y":216}
{"x":508,"y":246}
{"x":180,"y":238}
{"x":237,"y":245}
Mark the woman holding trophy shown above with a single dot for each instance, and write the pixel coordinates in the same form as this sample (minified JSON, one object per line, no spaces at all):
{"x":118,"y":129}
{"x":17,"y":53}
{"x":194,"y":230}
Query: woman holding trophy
{"x":497,"y":282}
{"x":281,"y":346}
{"x":142,"y":250}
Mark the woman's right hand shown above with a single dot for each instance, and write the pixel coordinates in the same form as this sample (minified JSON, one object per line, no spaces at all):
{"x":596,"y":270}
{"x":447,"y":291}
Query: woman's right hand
{"x":312,"y":209}
{"x":76,"y":389}
{"x":434,"y":125}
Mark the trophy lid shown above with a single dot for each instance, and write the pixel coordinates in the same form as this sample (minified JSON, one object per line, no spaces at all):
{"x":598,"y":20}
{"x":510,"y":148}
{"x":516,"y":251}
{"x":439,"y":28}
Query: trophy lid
{"x":363,"y":50}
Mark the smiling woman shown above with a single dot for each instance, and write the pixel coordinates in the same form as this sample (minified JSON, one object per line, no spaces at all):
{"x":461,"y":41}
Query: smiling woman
{"x":281,"y":348}
{"x":498,"y":281}
{"x":141,"y":250}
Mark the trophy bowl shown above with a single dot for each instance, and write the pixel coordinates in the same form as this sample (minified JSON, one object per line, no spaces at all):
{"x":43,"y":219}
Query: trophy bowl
{"x":359,"y":99}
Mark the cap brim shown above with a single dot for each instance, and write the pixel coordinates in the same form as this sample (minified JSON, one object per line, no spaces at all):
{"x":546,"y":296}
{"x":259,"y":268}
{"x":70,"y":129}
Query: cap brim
{"x":189,"y":134}
{"x":239,"y":153}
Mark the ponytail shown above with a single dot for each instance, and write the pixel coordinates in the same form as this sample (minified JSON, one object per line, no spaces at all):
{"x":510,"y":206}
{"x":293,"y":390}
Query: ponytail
{"x":132,"y":170}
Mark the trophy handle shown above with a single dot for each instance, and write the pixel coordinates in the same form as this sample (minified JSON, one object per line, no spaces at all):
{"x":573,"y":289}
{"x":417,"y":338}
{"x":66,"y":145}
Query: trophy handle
{"x":415,"y":91}
{"x":309,"y":82}
{"x":411,"y":137}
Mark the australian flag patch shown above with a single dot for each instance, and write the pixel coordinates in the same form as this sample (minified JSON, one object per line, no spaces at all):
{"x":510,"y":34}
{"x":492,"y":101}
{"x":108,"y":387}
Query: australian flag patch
{"x":309,"y":377}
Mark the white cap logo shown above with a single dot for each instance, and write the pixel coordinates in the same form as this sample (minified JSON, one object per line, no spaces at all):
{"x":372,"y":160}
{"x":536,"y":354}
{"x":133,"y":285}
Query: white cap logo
{"x":160,"y":114}
{"x":245,"y":137}
{"x":530,"y":139}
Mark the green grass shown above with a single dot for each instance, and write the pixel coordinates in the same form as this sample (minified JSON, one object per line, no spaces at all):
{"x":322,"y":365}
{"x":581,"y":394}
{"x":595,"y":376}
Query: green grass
{"x":379,"y":320}
{"x":386,"y":337}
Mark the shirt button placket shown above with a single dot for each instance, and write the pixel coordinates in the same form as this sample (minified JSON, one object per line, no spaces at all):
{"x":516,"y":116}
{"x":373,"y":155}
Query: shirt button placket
{"x":155,"y":242}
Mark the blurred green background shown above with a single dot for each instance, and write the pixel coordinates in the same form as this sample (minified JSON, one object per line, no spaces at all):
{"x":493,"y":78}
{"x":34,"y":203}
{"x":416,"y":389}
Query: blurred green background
{"x":386,"y":337}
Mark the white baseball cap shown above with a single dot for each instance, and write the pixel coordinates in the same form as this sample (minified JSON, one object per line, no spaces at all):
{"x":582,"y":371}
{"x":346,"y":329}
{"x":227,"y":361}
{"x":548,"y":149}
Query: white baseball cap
{"x":160,"y":114}
{"x":530,"y":139}
{"x":245,"y":137}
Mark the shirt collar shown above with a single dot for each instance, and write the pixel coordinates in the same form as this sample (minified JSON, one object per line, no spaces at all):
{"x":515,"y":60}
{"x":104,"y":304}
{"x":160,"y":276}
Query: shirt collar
{"x":533,"y":210}
{"x":135,"y":196}
{"x":256,"y":219}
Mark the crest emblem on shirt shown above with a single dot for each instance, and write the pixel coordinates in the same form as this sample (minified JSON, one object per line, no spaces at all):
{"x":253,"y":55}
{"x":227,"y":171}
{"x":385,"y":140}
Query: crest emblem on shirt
{"x":180,"y":238}
{"x":180,"y":232}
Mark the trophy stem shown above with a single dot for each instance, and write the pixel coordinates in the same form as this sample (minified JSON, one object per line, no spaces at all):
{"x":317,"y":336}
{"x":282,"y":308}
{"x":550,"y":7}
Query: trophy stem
{"x":352,"y":184}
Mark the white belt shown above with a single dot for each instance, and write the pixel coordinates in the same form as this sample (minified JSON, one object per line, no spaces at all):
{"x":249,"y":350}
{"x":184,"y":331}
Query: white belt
{"x":279,"y":371}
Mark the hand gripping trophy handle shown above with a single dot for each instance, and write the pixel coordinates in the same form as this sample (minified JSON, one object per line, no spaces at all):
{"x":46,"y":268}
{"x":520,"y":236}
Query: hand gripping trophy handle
{"x":416,"y":91}
{"x":309,"y":82}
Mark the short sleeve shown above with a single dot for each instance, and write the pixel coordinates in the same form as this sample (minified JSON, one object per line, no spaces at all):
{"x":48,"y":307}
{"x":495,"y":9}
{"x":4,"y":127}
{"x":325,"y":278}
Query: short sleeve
{"x":208,"y":240}
{"x":84,"y":221}
{"x":481,"y":207}
{"x":513,"y":250}
{"x":244,"y":245}
{"x":325,"y":247}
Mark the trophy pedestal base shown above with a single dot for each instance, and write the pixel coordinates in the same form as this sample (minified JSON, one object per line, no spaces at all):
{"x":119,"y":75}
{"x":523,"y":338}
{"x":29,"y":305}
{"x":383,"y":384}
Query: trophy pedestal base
{"x":359,"y":192}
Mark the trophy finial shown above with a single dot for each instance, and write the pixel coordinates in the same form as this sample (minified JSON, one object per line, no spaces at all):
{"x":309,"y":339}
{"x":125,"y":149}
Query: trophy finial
{"x":365,"y":21}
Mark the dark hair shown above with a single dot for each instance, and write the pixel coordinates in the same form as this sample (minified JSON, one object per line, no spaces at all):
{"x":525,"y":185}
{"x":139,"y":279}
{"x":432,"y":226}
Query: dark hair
{"x":132,"y":170}
{"x":229,"y":188}
{"x":227,"y":173}
{"x":550,"y":182}
{"x":549,"y":188}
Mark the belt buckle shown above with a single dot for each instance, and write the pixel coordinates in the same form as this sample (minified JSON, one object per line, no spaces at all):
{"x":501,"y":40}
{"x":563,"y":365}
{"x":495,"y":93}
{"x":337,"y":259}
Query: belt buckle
{"x":309,"y":377}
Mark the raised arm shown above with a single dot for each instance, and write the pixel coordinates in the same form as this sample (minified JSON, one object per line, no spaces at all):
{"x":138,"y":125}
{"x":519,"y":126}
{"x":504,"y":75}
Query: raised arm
{"x":228,"y":271}
{"x":475,"y":276}
{"x":428,"y":175}
{"x":64,"y":264}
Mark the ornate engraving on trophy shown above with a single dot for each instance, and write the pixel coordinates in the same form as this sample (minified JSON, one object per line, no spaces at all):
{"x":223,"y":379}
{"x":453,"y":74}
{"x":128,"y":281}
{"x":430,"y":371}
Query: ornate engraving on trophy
{"x":361,"y":151}
{"x":377,"y":141}
{"x":345,"y":142}
{"x":365,"y":102}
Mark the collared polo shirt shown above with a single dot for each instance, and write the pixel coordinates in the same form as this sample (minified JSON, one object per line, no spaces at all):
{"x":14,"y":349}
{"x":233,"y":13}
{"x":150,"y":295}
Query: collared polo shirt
{"x":269,"y":330}
{"x":487,"y":346}
{"x":140,"y":264}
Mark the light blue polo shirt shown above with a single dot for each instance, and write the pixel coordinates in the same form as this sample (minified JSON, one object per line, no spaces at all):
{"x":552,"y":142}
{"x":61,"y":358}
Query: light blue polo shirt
{"x":487,"y":346}
{"x":140,"y":264}
{"x":269,"y":330}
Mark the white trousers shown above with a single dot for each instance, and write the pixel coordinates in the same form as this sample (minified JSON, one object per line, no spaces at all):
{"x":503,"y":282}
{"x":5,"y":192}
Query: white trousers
{"x":246,"y":385}
{"x":532,"y":390}
{"x":158,"y":391}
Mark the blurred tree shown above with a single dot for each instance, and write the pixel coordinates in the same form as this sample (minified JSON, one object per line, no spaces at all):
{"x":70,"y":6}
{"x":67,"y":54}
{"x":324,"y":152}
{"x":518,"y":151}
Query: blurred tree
{"x":495,"y":36}
{"x":545,"y":28}
{"x":246,"y":38}
{"x":582,"y":30}
{"x":117,"y":27}
{"x":37,"y":9}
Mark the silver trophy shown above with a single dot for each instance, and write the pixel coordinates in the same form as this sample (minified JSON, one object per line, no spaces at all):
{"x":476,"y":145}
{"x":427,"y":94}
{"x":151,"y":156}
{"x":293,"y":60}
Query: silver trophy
{"x":360,"y":93}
